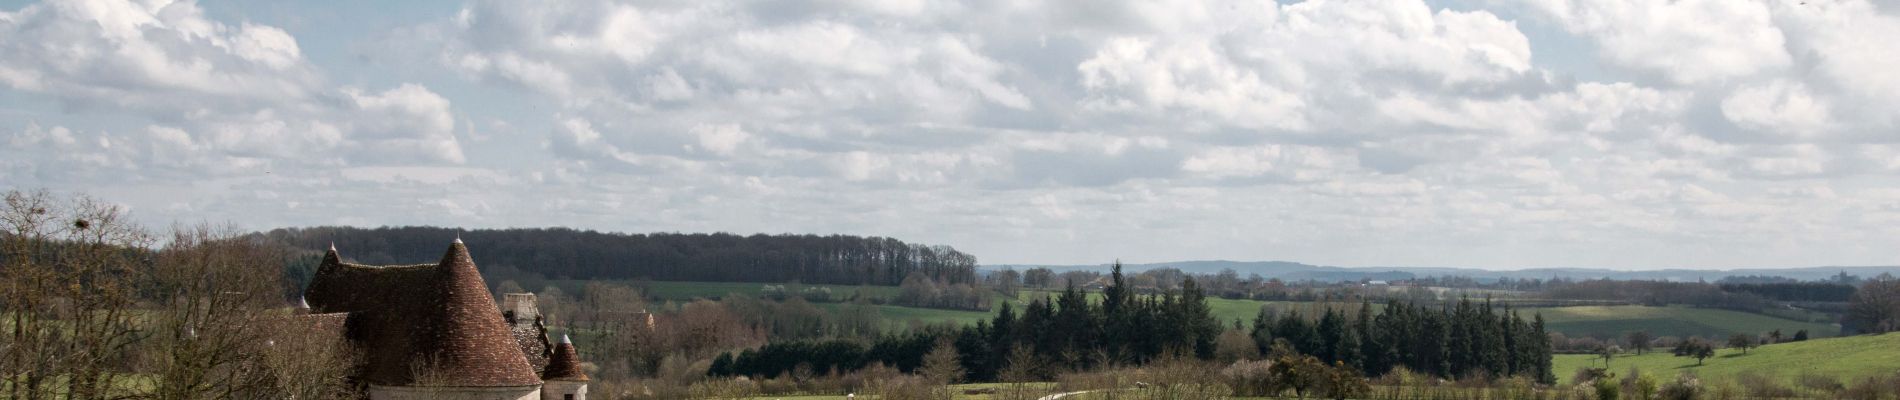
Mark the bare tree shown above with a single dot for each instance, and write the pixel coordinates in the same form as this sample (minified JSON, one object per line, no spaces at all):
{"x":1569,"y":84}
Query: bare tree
{"x":68,"y":280}
{"x":224,"y":329}
{"x":1875,"y":308}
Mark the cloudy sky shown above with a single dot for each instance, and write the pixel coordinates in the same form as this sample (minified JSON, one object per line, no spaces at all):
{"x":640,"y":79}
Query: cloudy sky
{"x":1488,"y":133}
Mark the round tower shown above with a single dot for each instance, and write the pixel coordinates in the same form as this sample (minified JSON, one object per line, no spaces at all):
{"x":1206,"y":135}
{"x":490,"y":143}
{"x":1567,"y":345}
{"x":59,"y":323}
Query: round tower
{"x":563,"y":376}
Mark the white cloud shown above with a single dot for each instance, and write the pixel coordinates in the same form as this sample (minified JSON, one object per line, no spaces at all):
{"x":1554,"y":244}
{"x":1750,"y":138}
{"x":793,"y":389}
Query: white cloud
{"x":1688,"y":41}
{"x":1622,"y":133}
{"x":215,"y":98}
{"x":1778,"y":107}
{"x":153,"y":52}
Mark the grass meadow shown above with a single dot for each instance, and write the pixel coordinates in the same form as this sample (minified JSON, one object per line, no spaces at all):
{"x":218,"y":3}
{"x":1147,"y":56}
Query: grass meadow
{"x":1843,"y":358}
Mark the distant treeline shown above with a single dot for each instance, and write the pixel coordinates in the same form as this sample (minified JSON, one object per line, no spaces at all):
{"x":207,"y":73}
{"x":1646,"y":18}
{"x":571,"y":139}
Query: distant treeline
{"x":1066,"y":333}
{"x":1469,"y":339}
{"x":1795,"y":291}
{"x":1075,"y":332}
{"x":1750,"y":297}
{"x":560,"y":253}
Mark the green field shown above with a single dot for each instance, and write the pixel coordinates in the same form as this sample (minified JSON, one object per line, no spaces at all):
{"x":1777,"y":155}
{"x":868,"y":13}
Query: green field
{"x":686,"y":291}
{"x":1844,"y":358}
{"x":1038,"y":387}
{"x":1678,"y":321}
{"x":1575,"y":321}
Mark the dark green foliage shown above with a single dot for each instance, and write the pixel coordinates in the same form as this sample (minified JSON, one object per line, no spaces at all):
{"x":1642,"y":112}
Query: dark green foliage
{"x":1741,"y":341}
{"x":1418,"y":338}
{"x":1795,"y":291}
{"x":531,"y":255}
{"x":1067,"y":333}
{"x":721,"y":366}
{"x":1695,"y":347}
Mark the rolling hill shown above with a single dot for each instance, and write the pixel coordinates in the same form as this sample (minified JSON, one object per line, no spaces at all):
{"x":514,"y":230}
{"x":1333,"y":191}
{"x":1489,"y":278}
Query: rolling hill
{"x":1843,"y":358}
{"x":1287,"y":270}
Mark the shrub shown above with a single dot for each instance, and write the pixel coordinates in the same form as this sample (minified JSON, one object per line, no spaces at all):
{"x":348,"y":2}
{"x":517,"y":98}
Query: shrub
{"x":1685,"y":387}
{"x":1606,"y":389}
{"x":724,"y":389}
{"x":909,"y":387}
{"x":1588,"y":374}
{"x":1820,"y":383}
{"x":1762,"y":387}
{"x":1872,"y":388}
{"x":1249,"y":378}
{"x":1639,"y":386}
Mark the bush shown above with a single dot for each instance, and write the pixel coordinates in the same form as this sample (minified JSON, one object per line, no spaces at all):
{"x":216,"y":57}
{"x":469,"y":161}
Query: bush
{"x":739,"y":388}
{"x":1606,"y":389}
{"x":910,"y":387}
{"x":1686,"y":387}
{"x":1249,"y":378}
{"x":1872,"y":388}
{"x":1639,"y":386}
{"x":1587,"y":374}
{"x":1820,"y":383}
{"x":1762,"y":387}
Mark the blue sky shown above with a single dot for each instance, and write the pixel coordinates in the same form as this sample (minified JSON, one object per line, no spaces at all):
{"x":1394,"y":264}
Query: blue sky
{"x":1488,"y":133}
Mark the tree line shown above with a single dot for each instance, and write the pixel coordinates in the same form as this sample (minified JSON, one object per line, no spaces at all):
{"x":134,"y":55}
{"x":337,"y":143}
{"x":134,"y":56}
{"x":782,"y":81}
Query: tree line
{"x":1073,"y":331}
{"x":1068,"y":332}
{"x":1469,"y":339}
{"x":560,"y":253}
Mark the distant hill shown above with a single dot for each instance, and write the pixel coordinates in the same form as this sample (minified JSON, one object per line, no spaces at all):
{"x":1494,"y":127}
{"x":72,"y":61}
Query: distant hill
{"x":1294,"y":271}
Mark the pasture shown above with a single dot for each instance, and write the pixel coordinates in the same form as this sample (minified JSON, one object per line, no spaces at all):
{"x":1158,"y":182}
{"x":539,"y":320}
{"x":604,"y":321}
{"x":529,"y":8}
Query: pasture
{"x":1842,"y":358}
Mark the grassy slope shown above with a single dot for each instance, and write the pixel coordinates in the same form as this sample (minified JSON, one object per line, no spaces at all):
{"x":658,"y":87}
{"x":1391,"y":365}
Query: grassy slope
{"x":1613,"y":321}
{"x":1844,"y":358}
{"x":1039,"y":387}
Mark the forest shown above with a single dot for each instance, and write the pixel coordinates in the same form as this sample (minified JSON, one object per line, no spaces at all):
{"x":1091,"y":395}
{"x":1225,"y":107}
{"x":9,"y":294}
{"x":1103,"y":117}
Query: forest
{"x":1070,"y":333}
{"x":559,"y":253}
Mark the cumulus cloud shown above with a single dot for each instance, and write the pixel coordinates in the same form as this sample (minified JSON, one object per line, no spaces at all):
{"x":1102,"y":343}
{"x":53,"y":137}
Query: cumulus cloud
{"x":1695,"y":132}
{"x":214,"y":98}
{"x":140,"y":55}
{"x":1693,"y":41}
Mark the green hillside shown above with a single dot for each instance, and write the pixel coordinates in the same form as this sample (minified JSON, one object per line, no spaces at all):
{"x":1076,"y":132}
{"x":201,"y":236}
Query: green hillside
{"x":1844,"y":358}
{"x":1600,"y":321}
{"x":684,"y":291}
{"x":1678,"y":321}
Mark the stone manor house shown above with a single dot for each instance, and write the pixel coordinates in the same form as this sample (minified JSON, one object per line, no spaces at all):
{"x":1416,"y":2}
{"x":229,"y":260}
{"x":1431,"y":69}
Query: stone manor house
{"x":432,"y":331}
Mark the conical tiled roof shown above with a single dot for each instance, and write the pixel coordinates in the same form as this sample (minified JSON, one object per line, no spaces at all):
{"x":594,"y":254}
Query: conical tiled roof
{"x":416,"y":318}
{"x":468,"y":339}
{"x":565,"y":365}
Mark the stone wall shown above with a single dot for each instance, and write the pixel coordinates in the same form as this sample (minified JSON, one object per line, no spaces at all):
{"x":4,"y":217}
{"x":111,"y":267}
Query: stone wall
{"x":377,"y":392}
{"x":557,"y":390}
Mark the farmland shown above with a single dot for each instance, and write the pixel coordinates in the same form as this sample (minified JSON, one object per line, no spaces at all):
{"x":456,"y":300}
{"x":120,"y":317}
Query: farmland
{"x":1575,"y":321}
{"x":1842,"y":358}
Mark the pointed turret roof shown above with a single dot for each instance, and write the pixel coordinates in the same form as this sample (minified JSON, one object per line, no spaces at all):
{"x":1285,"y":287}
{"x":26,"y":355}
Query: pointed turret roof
{"x":413,"y":318}
{"x":468,"y":339}
{"x":565,"y":365}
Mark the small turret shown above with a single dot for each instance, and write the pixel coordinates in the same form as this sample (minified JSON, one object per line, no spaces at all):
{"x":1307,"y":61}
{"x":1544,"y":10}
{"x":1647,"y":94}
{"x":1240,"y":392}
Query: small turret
{"x":565,"y":380}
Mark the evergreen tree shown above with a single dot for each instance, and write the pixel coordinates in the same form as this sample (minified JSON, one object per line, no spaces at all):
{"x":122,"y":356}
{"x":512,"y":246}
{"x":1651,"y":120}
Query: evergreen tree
{"x":1542,"y":358}
{"x":1348,"y":350}
{"x":1198,"y":318}
{"x":1331,"y":330}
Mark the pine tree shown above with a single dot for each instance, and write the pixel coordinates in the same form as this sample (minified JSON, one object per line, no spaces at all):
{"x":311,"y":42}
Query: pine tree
{"x":1331,"y":330}
{"x":1371,"y":351}
{"x":1542,"y":338}
{"x":1348,"y":350}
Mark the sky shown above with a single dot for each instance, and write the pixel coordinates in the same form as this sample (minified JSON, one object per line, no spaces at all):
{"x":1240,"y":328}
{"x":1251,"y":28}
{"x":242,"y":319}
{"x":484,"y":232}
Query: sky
{"x":1630,"y":134}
